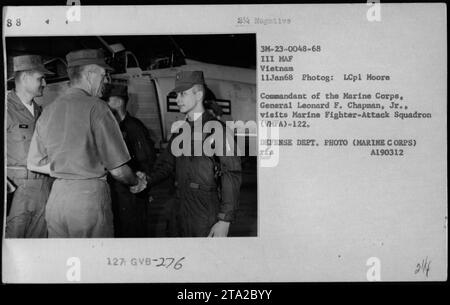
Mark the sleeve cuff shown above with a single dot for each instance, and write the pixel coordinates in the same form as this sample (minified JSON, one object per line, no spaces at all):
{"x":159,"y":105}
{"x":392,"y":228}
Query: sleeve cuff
{"x":228,"y":217}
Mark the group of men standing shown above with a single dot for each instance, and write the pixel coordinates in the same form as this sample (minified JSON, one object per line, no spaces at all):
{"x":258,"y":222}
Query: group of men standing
{"x":82,"y":158}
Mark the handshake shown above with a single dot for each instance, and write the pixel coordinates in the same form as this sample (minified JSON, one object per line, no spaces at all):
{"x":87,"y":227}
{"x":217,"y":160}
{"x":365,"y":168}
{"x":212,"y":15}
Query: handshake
{"x":141,"y":185}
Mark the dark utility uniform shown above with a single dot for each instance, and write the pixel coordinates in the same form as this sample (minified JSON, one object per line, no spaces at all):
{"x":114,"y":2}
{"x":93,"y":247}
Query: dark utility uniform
{"x":130,"y":210}
{"x":207,"y":187}
{"x":27,"y":215}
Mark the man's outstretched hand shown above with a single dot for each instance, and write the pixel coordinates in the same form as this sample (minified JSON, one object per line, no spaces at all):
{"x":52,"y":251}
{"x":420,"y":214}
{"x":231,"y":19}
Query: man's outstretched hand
{"x":141,"y":185}
{"x":219,"y":229}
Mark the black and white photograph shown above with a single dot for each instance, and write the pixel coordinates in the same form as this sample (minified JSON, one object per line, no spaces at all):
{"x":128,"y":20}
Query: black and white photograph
{"x":89,"y":134}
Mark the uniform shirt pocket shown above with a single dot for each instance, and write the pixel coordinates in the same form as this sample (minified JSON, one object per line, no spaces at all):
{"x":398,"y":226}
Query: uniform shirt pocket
{"x":21,"y":132}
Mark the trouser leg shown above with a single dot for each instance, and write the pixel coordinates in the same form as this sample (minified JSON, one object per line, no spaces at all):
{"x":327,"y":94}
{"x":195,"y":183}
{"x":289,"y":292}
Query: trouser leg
{"x":26,"y":216}
{"x":198,"y":212}
{"x":130,"y":212}
{"x":172,"y":218}
{"x":38,"y":225}
{"x":80,"y":209}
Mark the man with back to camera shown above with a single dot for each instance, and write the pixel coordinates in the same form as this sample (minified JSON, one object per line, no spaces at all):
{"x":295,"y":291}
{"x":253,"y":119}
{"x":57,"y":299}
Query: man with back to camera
{"x":77,"y":140}
{"x":30,"y":190}
{"x":207,"y":197}
{"x":130,"y":210}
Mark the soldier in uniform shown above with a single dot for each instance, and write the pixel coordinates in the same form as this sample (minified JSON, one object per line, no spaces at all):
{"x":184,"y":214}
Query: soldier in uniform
{"x":78,"y":141}
{"x":26,"y":218}
{"x":130,"y":210}
{"x":207,"y":186}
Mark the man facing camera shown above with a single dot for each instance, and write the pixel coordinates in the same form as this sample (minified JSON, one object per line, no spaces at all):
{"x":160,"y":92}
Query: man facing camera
{"x":207,"y":185}
{"x":78,"y":141}
{"x":30,"y":190}
{"x":130,"y":210}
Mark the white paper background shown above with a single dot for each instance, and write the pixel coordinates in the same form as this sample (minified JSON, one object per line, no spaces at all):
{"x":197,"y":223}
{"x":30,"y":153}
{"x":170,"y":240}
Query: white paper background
{"x":323,"y":212}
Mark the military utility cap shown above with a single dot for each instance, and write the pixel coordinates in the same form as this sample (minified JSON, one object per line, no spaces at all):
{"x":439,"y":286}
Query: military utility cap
{"x":185,"y":80}
{"x":87,"y":57}
{"x":115,"y":90}
{"x":29,"y":62}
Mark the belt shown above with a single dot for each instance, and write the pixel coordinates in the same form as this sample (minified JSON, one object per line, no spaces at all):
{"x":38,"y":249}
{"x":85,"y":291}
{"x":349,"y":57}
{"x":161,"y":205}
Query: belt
{"x":20,"y":172}
{"x":197,"y":186}
{"x":103,"y":178}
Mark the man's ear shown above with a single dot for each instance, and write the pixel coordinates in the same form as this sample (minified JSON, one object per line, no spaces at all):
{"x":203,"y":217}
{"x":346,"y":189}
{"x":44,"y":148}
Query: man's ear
{"x":122,"y":102}
{"x":84,"y":75}
{"x":89,"y":74}
{"x":199,"y":94}
{"x":23,"y":77}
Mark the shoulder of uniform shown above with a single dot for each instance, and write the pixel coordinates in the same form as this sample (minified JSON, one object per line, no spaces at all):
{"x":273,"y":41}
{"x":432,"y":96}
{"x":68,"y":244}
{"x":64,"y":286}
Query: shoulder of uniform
{"x":98,"y":101}
{"x":10,"y":99}
{"x":99,"y":109}
{"x":10,"y":103}
{"x":223,"y":124}
{"x":209,"y":117}
{"x":99,"y":104}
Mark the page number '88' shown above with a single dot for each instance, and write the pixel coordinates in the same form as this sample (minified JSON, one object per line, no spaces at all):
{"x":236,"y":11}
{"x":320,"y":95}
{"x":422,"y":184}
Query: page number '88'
{"x":11,"y":22}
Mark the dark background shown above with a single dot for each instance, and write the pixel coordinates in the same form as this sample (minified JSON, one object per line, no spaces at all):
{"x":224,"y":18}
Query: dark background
{"x":229,"y":49}
{"x":238,"y":50}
